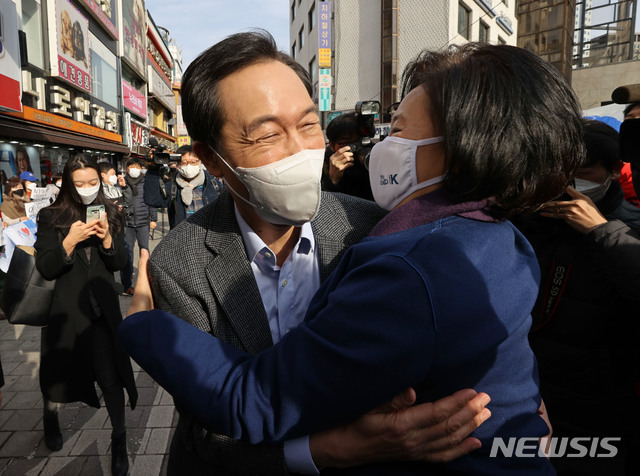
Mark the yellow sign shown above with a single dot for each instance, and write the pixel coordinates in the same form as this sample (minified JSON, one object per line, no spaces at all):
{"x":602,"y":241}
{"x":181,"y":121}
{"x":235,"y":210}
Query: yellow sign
{"x":324,"y":57}
{"x":49,"y":119}
{"x":184,"y":140}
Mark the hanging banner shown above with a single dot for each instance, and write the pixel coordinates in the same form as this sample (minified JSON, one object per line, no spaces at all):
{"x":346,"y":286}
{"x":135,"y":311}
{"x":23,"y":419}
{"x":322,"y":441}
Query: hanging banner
{"x":73,"y":45}
{"x":324,"y":34}
{"x":133,"y":100}
{"x":134,"y":25}
{"x":324,"y":85}
{"x":10,"y":85}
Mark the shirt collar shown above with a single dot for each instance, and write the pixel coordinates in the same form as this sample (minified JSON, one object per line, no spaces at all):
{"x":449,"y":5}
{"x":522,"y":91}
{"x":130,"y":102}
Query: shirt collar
{"x":254,"y":244}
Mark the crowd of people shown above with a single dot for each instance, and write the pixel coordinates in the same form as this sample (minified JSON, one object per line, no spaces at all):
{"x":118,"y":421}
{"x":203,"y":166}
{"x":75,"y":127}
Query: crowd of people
{"x":483,"y":286}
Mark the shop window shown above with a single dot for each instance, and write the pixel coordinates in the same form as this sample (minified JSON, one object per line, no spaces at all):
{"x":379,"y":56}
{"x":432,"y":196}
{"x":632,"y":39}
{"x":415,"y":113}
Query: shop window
{"x":312,"y":17}
{"x":32,"y":26}
{"x":104,"y":76}
{"x":464,"y":20}
{"x":483,"y":34}
{"x":313,"y":69}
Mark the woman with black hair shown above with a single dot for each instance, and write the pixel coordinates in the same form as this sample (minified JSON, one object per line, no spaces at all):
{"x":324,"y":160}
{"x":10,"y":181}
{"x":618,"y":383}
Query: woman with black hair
{"x":437,"y":298}
{"x":79,"y":344}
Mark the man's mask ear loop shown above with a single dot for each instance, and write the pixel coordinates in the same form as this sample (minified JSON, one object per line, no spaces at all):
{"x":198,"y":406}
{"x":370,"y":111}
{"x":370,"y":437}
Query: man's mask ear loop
{"x":236,"y":174}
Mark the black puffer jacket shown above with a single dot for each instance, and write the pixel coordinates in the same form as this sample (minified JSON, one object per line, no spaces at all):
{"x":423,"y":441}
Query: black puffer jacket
{"x":586,"y":320}
{"x":137,"y":212}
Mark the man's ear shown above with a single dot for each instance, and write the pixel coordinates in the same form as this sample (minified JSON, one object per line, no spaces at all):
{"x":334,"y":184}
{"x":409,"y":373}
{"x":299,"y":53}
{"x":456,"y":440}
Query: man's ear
{"x":208,"y":157}
{"x":617,"y":170}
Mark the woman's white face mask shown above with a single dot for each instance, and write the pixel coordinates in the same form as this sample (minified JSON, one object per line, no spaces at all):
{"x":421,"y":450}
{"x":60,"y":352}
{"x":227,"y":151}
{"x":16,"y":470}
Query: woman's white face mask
{"x":392,"y":170}
{"x":88,"y":194}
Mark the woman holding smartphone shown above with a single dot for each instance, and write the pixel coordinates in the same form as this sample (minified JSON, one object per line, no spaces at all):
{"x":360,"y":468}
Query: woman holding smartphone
{"x":79,"y":344}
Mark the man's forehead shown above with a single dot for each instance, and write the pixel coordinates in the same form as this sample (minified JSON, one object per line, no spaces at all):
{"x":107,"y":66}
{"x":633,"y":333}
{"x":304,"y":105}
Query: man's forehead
{"x":258,"y":89}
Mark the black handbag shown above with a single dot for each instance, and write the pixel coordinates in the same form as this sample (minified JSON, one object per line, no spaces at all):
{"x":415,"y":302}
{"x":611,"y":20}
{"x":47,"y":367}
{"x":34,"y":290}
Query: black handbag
{"x":27,"y":296}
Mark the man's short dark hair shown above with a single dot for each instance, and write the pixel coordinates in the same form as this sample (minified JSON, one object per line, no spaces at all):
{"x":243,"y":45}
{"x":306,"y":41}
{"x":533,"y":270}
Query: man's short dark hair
{"x":133,"y":161}
{"x":201,"y":104}
{"x":344,"y":125}
{"x":603,"y":146}
{"x":105,"y":167}
{"x":185,"y":149}
{"x":511,"y":123}
{"x":627,"y":109}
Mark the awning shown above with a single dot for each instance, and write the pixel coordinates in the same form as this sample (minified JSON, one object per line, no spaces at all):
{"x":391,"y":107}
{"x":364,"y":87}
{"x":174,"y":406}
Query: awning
{"x":19,"y":129}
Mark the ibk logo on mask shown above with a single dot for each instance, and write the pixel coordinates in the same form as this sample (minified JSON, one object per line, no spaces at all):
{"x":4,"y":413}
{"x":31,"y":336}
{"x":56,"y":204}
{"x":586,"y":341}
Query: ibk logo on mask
{"x":392,"y":179}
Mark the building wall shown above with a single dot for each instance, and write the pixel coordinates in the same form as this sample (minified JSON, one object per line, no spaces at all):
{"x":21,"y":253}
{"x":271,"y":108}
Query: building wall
{"x":357,"y":36}
{"x":594,"y":85}
{"x":356,"y":50}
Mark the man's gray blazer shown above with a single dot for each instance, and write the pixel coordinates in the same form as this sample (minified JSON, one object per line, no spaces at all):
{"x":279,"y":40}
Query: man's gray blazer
{"x":201,"y":273}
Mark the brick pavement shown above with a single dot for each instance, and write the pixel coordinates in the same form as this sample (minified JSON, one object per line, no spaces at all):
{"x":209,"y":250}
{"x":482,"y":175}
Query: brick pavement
{"x":86,"y":431}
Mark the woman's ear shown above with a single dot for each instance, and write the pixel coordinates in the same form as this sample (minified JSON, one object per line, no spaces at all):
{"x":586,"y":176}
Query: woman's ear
{"x":210,"y":159}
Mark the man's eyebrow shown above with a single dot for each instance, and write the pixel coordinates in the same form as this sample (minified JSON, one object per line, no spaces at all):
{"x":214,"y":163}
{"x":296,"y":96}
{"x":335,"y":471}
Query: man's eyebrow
{"x":258,"y":121}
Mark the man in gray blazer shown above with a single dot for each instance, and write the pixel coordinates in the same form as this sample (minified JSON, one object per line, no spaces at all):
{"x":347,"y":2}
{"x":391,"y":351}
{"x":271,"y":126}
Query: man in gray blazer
{"x":245,"y":267}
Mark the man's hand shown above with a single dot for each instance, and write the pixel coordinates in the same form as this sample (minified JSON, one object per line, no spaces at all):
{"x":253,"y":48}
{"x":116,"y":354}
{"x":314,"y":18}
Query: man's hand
{"x":434,"y":432}
{"x":340,"y":161}
{"x":152,"y":225}
{"x":121,"y":181}
{"x":580,"y":213}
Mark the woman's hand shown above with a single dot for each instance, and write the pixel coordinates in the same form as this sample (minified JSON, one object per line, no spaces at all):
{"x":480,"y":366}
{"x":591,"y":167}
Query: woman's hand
{"x":78,"y":232}
{"x":580,"y":213}
{"x":142,"y":297}
{"x":102,"y":232}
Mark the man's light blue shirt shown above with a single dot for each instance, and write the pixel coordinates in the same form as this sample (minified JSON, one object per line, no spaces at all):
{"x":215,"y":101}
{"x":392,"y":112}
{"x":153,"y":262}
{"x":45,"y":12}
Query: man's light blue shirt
{"x":286,"y":292}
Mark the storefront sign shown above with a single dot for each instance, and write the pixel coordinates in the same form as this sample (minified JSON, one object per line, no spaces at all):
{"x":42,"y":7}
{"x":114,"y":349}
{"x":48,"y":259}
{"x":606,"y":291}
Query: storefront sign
{"x":324,"y":35}
{"x":10,"y":97}
{"x":69,"y":103}
{"x":161,"y":89}
{"x":138,"y":134}
{"x":73,"y":45}
{"x":134,"y":19}
{"x":49,"y":119}
{"x":105,"y":12}
{"x":184,"y":140}
{"x":133,"y":100}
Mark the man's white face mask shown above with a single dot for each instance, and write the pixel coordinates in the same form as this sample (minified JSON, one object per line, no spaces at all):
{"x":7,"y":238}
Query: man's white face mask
{"x":285,"y":192}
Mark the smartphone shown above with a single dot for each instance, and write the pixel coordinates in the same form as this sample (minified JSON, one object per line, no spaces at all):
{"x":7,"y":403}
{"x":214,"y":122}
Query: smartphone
{"x":95,"y":212}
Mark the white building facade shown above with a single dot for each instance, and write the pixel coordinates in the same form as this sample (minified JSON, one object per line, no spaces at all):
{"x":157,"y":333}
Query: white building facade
{"x":372,"y":41}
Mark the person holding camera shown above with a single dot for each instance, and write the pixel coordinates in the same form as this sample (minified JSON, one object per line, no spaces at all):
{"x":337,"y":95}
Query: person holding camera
{"x":139,"y":217}
{"x":187,"y":191}
{"x":345,"y":170}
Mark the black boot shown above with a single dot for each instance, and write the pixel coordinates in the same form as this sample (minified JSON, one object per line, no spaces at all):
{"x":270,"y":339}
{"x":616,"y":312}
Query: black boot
{"x":119,"y":459}
{"x":52,"y":435}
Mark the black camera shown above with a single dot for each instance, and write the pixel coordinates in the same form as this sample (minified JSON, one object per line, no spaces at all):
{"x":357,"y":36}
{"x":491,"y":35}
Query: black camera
{"x":157,"y":153}
{"x":361,"y":148}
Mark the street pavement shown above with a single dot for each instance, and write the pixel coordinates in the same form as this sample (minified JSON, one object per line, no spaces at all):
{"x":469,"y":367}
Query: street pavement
{"x":86,"y":431}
